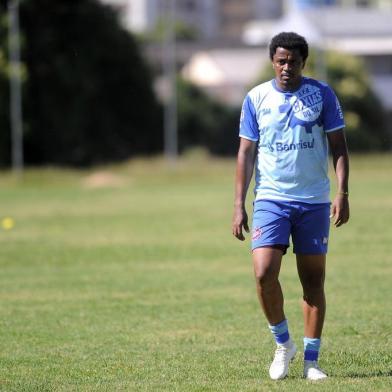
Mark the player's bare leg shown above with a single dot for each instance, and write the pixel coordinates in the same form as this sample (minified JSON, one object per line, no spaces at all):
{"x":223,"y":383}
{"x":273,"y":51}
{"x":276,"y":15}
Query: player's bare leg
{"x":311,"y":271}
{"x":267,"y":262}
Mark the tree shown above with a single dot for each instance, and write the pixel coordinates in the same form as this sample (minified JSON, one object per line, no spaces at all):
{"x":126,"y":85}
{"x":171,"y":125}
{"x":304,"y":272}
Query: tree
{"x":205,"y":122}
{"x":88,"y":97}
{"x":364,"y":116}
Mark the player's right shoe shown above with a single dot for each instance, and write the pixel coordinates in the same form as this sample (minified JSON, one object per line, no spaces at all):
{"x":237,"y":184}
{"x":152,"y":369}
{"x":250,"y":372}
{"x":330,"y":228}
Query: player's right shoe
{"x":280,"y":365}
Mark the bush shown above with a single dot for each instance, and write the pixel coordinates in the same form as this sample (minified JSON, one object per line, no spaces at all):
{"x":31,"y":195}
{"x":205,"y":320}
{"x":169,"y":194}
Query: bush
{"x":205,"y":122}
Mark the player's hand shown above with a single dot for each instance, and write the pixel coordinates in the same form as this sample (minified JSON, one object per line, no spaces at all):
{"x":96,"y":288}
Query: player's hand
{"x":240,"y":221}
{"x":340,"y":210}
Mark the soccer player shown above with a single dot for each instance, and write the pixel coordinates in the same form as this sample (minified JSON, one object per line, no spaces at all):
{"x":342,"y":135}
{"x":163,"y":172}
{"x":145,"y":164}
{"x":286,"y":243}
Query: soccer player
{"x":286,"y":127}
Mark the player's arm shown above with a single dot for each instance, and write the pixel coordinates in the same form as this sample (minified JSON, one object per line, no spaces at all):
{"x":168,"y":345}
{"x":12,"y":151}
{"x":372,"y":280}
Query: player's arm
{"x":340,"y":209}
{"x":245,"y":164}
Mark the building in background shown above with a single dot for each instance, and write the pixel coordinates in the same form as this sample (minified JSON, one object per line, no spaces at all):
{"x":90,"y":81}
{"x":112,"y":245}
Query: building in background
{"x":212,"y":19}
{"x":233,"y":15}
{"x":226,"y":73}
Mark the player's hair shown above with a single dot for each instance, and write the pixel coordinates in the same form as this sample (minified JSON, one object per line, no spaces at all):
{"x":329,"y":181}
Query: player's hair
{"x":289,"y":41}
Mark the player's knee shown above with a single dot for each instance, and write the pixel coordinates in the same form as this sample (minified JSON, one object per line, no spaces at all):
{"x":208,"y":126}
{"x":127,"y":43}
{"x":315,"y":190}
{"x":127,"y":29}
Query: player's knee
{"x":313,"y":285}
{"x":267,"y":263}
{"x":265,"y":276}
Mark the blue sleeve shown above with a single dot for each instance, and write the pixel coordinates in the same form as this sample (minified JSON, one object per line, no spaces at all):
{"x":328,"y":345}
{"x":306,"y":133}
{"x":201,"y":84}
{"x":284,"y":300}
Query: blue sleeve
{"x":332,"y":112}
{"x":248,"y":122}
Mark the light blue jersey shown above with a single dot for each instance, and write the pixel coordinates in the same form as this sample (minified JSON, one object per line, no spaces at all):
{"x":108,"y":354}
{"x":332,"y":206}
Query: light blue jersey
{"x":290,"y":129}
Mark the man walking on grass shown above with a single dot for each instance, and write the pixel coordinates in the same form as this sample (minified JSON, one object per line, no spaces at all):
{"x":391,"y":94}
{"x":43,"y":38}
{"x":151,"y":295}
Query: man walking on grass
{"x":286,"y":127}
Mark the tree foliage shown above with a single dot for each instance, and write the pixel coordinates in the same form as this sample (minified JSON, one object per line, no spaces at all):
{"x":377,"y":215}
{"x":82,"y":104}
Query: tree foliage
{"x":205,"y":122}
{"x":88,"y":97}
{"x":365,"y":117}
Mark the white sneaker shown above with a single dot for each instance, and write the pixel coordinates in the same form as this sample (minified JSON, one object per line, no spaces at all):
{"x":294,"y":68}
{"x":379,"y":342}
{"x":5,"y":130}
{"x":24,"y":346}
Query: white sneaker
{"x":280,"y":365}
{"x":313,"y":372}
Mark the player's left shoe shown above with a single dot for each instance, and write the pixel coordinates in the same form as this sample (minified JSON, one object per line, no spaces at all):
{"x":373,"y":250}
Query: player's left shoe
{"x":313,"y":372}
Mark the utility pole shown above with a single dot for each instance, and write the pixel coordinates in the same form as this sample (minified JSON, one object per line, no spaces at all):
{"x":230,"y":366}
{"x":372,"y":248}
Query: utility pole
{"x":15,"y":87}
{"x":169,"y":70}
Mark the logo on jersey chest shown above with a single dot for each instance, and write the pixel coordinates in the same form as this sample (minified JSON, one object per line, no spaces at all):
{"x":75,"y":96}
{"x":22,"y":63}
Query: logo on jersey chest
{"x":307,"y":107}
{"x":303,"y":108}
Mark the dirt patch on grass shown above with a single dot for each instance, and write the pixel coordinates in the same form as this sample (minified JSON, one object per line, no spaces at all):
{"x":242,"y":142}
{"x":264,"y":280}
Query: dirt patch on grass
{"x":104,"y":179}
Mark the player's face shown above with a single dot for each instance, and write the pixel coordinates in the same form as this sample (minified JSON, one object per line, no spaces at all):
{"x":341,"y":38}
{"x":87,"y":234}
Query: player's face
{"x":288,"y":66}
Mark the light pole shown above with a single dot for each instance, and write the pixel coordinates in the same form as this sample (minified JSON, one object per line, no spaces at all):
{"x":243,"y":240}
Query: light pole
{"x":15,"y":87}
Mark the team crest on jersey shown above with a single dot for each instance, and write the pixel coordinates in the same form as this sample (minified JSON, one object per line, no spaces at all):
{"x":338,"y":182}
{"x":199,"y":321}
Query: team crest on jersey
{"x":308,"y":104}
{"x":303,"y":108}
{"x":257,"y":232}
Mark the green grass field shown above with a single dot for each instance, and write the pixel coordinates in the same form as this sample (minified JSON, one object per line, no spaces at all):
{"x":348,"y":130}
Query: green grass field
{"x":127,"y":278}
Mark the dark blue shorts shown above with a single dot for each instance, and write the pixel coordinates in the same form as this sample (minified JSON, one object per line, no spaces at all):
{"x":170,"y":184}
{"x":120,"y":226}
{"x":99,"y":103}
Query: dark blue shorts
{"x":275,"y":221}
